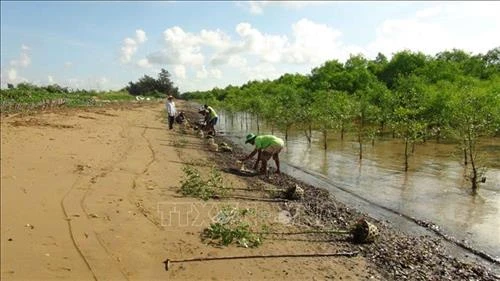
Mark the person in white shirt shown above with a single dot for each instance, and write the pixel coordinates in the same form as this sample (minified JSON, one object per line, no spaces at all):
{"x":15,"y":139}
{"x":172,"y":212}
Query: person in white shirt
{"x":171,"y":111}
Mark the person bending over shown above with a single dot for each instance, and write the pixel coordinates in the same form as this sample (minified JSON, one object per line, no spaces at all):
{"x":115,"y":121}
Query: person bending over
{"x":180,"y":118}
{"x":266,"y":146}
{"x":212,"y":119}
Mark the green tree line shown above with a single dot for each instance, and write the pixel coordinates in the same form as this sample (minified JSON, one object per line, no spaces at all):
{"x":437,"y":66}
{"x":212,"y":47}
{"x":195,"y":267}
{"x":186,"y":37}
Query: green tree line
{"x":416,"y":97}
{"x":146,"y":86}
{"x":27,"y":96}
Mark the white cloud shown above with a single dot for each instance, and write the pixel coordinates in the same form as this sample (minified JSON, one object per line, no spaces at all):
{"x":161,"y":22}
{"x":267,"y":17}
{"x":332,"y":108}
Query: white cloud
{"x":300,"y":4}
{"x":24,"y":58}
{"x":202,"y":73}
{"x":140,"y":36}
{"x":100,"y":83}
{"x":74,"y":83}
{"x":216,"y":39}
{"x":429,"y":12}
{"x":268,"y":48}
{"x":308,"y":47}
{"x":185,"y":50}
{"x":11,"y":75}
{"x":230,"y":57}
{"x":180,"y":48}
{"x":180,"y":71}
{"x":216,"y":73}
{"x":144,"y":63}
{"x":237,"y":61}
{"x":68,"y":64}
{"x":471,"y":26}
{"x":128,"y":49}
{"x":257,"y":7}
{"x":413,"y":34}
{"x":50,"y":79}
{"x":130,"y":46}
{"x":260,"y":72}
{"x":96,"y":83}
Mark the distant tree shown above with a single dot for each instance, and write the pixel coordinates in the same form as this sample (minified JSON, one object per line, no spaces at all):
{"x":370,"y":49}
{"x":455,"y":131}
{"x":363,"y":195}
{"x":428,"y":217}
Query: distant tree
{"x":378,"y":64}
{"x":165,"y":85}
{"x":26,"y":86}
{"x":10,"y":86}
{"x":492,"y":62}
{"x":402,"y":64}
{"x":55,"y":88}
{"x":148,"y":86}
{"x":330,"y":76}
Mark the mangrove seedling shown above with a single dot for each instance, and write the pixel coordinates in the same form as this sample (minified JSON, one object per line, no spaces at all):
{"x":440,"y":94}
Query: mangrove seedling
{"x":193,"y":184}
{"x":230,"y":227}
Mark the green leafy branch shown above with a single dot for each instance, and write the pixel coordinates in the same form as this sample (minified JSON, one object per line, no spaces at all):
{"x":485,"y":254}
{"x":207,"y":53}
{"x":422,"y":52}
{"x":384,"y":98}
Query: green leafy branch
{"x":194,"y":185}
{"x":230,"y":227}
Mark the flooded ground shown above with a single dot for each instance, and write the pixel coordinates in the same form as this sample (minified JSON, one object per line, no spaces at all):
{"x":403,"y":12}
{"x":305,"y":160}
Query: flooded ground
{"x":434,"y":189}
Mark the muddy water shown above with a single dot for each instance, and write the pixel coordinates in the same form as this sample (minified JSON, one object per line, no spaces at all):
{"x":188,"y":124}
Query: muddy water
{"x":434,"y":189}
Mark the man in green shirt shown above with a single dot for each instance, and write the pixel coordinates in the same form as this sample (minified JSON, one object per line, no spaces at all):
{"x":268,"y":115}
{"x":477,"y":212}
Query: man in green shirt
{"x":266,"y":146}
{"x":211,"y":119}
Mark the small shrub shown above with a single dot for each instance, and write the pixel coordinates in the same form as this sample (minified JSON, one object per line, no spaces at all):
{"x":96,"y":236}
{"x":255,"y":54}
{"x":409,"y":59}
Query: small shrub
{"x":194,"y":185}
{"x":229,"y":227}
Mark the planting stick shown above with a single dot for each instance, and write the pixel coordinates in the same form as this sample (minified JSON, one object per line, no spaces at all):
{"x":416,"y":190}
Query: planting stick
{"x":168,"y":262}
{"x":256,"y":189}
{"x":333,"y":231}
{"x":252,"y":198}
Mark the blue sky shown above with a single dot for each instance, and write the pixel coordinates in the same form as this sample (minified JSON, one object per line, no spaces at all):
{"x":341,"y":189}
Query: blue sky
{"x":104,"y":45}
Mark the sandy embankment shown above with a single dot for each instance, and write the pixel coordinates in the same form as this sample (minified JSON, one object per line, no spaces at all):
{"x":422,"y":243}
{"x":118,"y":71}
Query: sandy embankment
{"x":85,"y":195}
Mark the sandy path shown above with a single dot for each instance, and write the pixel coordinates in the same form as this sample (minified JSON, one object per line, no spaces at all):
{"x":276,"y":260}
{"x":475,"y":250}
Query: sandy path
{"x":50,"y":171}
{"x":96,"y":188}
